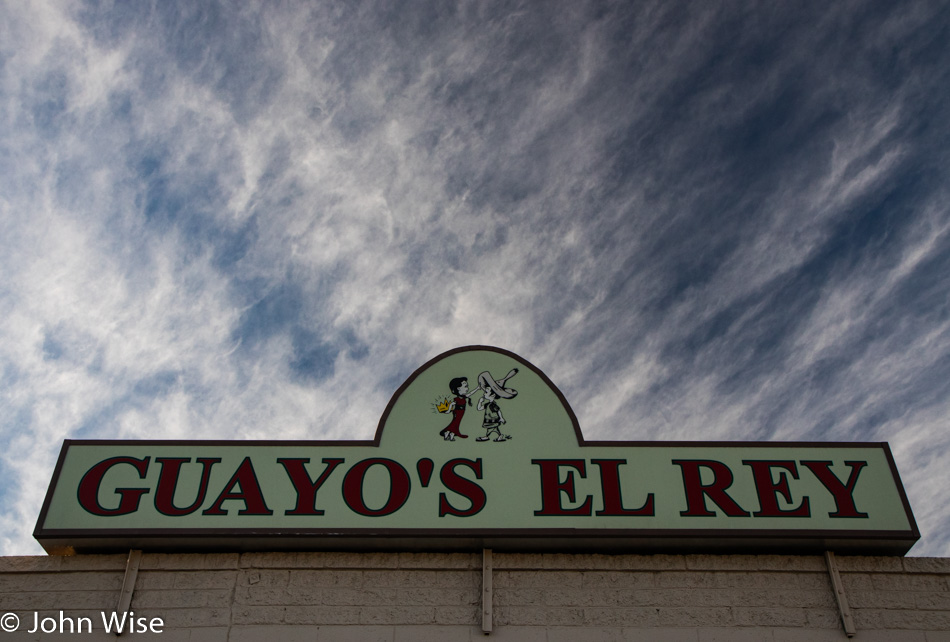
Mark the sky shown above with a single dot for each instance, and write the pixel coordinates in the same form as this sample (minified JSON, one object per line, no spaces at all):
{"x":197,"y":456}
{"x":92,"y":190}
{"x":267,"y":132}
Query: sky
{"x":254,"y":220}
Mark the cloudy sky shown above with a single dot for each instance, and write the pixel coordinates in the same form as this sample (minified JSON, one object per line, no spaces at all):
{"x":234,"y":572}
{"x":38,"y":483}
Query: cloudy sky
{"x":254,"y":220}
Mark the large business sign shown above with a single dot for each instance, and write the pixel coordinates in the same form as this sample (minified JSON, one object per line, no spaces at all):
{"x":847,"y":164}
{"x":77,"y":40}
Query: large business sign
{"x":478,"y":448}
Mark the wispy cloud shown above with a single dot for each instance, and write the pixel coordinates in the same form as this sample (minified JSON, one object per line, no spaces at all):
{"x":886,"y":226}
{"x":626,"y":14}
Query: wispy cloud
{"x":256,"y":221}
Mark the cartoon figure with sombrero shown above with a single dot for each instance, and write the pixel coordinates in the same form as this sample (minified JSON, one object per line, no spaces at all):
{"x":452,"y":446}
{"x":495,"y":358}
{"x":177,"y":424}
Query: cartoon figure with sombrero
{"x":493,"y":390}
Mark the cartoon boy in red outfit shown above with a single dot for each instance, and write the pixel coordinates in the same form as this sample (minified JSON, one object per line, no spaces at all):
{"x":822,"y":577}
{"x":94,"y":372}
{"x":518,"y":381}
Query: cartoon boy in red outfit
{"x":459,"y":388}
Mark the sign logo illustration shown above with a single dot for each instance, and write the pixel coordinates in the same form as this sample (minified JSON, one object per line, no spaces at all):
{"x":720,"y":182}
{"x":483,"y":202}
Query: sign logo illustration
{"x":492,"y":390}
{"x":477,"y":448}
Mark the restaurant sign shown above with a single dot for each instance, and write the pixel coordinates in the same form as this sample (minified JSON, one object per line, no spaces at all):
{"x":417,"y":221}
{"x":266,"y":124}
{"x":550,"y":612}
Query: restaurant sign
{"x":478,"y":448}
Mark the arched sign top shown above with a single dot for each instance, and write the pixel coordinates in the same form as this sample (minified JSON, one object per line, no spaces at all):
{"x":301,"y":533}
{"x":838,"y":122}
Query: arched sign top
{"x":474,"y":395}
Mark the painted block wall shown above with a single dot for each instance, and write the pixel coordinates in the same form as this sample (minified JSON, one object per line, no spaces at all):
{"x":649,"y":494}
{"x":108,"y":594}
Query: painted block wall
{"x":273,"y":597}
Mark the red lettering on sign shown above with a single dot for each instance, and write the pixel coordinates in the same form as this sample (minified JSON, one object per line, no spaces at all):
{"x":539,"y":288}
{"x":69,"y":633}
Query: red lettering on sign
{"x":768,"y":489}
{"x":610,"y":488}
{"x":250,"y":493}
{"x":168,"y":484}
{"x":697,"y":492}
{"x":399,"y":485}
{"x":552,"y":487}
{"x":129,"y":498}
{"x":424,"y":467}
{"x":305,"y":487}
{"x":464,"y":487}
{"x":842,"y":493}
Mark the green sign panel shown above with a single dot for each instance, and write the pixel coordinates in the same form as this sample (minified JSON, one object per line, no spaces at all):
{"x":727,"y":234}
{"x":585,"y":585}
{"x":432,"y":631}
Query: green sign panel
{"x":478,"y":448}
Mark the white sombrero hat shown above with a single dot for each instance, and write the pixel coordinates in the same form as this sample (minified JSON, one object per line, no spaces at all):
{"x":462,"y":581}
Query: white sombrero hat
{"x":486,"y":381}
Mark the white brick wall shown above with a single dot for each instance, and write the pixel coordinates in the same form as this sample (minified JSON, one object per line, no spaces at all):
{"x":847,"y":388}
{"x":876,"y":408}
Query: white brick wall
{"x":404,"y":596}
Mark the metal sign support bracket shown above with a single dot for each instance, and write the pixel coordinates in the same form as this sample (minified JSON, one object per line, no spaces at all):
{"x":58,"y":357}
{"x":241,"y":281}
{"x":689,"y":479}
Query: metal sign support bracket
{"x":486,"y":591}
{"x":128,"y":583}
{"x":840,"y":596}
